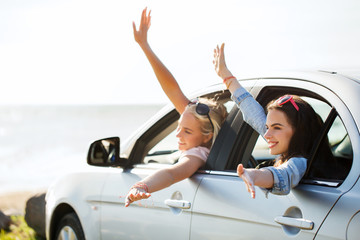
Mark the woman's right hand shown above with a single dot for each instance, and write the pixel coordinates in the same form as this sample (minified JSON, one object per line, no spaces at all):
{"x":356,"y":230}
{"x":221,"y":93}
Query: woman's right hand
{"x":219,"y":62}
{"x":136,"y":193}
{"x":145,"y":22}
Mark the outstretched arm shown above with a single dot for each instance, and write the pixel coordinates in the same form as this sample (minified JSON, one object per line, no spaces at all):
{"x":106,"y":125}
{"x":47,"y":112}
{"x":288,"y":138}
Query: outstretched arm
{"x":164,"y":178}
{"x":164,"y":76}
{"x":255,"y":177}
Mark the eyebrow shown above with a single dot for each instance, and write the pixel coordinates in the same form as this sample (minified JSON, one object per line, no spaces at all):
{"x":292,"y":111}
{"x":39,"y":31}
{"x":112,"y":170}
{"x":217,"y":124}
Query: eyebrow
{"x":188,"y":129}
{"x":275,"y":124}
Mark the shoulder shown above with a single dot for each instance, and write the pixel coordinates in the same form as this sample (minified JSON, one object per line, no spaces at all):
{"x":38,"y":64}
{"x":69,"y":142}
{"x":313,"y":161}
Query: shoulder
{"x":200,"y":152}
{"x":298,"y":163}
{"x":298,"y":160}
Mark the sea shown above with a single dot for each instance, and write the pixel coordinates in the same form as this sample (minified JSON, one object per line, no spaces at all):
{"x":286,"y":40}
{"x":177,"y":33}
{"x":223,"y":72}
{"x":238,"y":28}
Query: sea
{"x":39,"y":143}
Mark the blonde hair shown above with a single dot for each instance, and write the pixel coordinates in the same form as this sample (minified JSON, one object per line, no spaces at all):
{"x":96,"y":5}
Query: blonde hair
{"x":217,"y":115}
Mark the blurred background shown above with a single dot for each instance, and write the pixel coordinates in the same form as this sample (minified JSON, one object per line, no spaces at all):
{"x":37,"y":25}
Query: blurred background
{"x":71,"y":72}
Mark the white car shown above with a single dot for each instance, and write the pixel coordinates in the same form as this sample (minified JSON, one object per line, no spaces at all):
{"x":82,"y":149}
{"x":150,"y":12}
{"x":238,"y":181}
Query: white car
{"x":214,"y":203}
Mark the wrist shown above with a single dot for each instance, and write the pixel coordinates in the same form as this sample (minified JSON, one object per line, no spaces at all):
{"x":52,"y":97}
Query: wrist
{"x":141,"y":185}
{"x":228,"y":81}
{"x":228,"y":78}
{"x":225,"y":73}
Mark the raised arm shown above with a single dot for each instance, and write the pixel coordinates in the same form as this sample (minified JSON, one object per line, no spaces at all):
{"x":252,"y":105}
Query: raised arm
{"x":164,"y":76}
{"x":253,"y":114}
{"x":222,"y":70}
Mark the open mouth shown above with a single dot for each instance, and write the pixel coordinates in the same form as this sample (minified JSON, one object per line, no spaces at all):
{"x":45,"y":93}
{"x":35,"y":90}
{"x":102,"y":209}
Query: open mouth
{"x":272,"y":144}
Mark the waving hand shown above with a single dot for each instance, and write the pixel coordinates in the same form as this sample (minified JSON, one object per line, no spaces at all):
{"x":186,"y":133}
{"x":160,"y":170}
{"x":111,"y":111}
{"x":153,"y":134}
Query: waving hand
{"x":145,"y":22}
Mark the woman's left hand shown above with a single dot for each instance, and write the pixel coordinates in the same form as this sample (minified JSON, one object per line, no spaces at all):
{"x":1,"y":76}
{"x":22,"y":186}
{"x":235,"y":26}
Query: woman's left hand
{"x":247,"y":176}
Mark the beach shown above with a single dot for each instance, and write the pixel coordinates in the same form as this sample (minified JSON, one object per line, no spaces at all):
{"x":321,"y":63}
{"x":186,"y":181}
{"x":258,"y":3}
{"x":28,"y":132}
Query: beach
{"x":39,"y":144}
{"x":14,"y":203}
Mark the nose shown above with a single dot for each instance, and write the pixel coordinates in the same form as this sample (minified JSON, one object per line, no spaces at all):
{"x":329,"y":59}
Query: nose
{"x":178,"y":133}
{"x":267,"y":134}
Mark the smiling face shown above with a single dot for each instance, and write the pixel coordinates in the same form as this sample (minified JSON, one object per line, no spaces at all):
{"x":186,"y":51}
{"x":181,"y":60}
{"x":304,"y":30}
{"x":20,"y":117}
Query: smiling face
{"x":189,"y":132}
{"x":279,"y":132}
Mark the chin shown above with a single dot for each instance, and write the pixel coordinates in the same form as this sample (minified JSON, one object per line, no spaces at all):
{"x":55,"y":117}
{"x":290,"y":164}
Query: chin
{"x":182,"y":148}
{"x":273,"y":152}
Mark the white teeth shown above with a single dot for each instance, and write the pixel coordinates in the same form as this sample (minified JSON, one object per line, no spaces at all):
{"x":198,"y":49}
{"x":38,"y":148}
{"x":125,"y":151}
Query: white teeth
{"x":271,"y":144}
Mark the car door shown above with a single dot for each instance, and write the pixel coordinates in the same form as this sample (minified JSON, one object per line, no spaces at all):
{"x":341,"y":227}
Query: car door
{"x":223,"y":209}
{"x":167,"y":213}
{"x":150,"y":218}
{"x":146,"y":219}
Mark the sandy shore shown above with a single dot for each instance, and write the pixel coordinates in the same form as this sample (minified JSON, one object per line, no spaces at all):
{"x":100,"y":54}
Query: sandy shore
{"x":14,"y":203}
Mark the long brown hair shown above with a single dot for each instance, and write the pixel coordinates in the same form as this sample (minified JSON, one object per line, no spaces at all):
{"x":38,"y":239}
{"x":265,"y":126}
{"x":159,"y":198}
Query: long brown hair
{"x":306,"y":124}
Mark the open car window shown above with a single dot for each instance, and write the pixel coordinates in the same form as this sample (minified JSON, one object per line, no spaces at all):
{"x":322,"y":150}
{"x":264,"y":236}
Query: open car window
{"x":325,"y":168}
{"x":166,"y":151}
{"x":162,"y":145}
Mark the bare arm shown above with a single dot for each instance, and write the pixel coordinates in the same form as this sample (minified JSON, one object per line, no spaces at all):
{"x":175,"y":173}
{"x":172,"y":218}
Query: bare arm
{"x":177,"y":172}
{"x":164,"y":76}
{"x":164,"y":178}
{"x":255,"y":177}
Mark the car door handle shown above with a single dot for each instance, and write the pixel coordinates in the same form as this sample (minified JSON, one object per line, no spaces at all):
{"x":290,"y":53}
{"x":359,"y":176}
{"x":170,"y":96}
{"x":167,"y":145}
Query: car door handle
{"x":295,"y":222}
{"x":178,"y":203}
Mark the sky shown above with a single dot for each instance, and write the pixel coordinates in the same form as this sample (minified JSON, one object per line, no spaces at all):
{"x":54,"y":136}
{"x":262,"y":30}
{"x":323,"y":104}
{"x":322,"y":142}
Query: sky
{"x":83,"y":51}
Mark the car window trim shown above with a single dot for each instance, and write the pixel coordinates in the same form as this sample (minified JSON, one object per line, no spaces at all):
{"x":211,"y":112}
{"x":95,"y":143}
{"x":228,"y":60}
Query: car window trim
{"x":230,"y":173}
{"x":227,"y":129}
{"x":323,"y":133}
{"x":142,"y":144}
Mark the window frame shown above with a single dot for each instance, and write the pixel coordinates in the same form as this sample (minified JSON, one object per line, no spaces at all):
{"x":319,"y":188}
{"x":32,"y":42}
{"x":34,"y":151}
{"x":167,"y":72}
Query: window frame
{"x":160,"y":129}
{"x":264,"y":94}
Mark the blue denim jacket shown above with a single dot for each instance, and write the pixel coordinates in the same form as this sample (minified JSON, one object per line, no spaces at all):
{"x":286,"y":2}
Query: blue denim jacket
{"x":287,"y":175}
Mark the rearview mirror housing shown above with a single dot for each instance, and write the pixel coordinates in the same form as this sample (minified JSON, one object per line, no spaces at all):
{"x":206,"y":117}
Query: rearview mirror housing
{"x":105,"y":153}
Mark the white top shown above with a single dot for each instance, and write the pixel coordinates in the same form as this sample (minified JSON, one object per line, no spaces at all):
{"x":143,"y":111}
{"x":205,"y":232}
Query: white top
{"x":200,"y":152}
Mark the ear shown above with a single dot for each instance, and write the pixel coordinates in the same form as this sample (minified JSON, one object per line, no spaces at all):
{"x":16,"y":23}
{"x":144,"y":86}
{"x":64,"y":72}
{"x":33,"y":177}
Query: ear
{"x":207,"y":138}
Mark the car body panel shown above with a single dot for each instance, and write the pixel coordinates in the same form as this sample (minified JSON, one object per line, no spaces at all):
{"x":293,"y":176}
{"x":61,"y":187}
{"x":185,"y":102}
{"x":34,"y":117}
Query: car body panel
{"x":220,"y":206}
{"x":343,"y":220}
{"x":145,"y":219}
{"x":84,"y":199}
{"x":230,"y":212}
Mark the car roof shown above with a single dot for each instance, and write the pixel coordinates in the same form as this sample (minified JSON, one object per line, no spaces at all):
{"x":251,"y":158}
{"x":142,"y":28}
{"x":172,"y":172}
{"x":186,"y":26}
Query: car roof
{"x":344,"y":84}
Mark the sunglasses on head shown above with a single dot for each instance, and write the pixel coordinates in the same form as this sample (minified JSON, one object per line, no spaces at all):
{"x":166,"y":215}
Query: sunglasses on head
{"x":287,"y":98}
{"x":202,"y":109}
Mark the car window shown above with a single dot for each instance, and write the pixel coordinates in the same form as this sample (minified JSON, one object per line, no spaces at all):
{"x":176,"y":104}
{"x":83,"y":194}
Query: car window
{"x":261,"y":150}
{"x":165,"y":151}
{"x":333,"y":167}
{"x":332,"y":170}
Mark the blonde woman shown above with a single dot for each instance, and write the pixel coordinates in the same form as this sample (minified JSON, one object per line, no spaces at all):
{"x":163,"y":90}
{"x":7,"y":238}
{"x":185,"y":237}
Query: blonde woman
{"x":197,"y":128}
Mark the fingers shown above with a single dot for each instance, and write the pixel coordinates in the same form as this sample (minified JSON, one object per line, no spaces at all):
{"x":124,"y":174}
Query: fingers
{"x":216,"y":57}
{"x":135,"y":195}
{"x":127,"y":202}
{"x":240,"y":169}
{"x":145,"y":18}
{"x":222,"y":47}
{"x":249,"y":185}
{"x":250,"y":188}
{"x":247,"y":178}
{"x":149,"y":19}
{"x":134,"y":27}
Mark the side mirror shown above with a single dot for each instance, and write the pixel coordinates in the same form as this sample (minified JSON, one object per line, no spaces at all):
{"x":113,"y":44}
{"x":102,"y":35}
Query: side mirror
{"x":105,"y":153}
